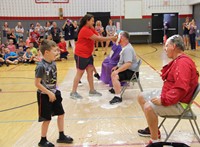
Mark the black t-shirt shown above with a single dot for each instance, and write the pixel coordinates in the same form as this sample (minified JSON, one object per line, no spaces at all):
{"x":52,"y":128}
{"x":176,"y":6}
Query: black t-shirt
{"x":69,"y":32}
{"x":55,"y":32}
{"x":48,"y":73}
{"x":9,"y":36}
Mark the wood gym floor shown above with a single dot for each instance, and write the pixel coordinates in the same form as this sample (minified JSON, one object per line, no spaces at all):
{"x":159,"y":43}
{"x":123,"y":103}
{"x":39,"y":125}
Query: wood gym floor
{"x":90,"y":121}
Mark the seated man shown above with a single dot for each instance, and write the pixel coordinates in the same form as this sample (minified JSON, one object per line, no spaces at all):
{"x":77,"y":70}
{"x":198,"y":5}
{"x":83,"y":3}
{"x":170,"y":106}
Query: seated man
{"x":180,"y":78}
{"x":109,"y":63}
{"x":125,"y":67}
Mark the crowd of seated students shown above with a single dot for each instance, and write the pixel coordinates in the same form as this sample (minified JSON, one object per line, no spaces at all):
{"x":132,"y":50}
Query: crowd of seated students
{"x":16,"y":49}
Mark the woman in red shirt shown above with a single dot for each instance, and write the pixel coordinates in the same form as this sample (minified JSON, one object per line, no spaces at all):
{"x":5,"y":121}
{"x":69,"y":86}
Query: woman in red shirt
{"x":83,"y":54}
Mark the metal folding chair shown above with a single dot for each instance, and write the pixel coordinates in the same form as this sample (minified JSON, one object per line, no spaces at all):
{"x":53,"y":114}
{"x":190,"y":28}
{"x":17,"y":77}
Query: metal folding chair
{"x":187,"y":114}
{"x":134,"y":78}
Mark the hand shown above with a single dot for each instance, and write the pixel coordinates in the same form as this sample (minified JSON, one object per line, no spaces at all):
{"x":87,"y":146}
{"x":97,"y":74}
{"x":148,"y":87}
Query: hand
{"x":114,"y":73}
{"x":52,"y":96}
{"x":114,"y":68}
{"x":156,"y":101}
{"x":114,"y":38}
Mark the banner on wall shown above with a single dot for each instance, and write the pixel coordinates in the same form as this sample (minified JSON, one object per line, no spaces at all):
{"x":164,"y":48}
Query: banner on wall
{"x":51,"y":1}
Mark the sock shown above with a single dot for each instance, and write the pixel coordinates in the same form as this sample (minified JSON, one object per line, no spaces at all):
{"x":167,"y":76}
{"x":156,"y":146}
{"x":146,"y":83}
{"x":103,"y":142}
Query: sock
{"x":43,"y":140}
{"x":61,"y":135}
{"x":153,"y":141}
{"x":118,"y":95}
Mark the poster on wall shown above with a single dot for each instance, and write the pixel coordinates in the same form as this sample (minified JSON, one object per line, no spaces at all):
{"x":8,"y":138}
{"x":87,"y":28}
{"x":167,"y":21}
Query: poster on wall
{"x":51,"y":1}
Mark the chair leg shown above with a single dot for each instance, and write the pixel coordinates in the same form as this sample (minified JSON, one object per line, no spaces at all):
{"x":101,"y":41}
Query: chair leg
{"x":162,"y":125}
{"x":172,"y":130}
{"x":198,"y":131}
{"x":139,"y":84}
{"x":123,"y":89}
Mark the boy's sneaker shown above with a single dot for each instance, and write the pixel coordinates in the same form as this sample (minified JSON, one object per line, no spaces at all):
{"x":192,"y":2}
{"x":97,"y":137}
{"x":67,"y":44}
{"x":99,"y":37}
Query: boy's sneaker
{"x":112,"y":91}
{"x":66,"y":139}
{"x":96,"y":75}
{"x":46,"y":144}
{"x":94,"y":93}
{"x":75,"y":95}
{"x":116,"y":100}
{"x":146,"y":132}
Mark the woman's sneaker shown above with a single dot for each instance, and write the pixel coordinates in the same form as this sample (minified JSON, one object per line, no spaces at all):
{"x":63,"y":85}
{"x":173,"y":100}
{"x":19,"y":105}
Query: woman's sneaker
{"x":94,"y":93}
{"x":75,"y":95}
{"x":146,"y":132}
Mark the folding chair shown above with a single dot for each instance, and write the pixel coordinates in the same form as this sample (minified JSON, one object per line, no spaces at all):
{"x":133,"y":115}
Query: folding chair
{"x":187,"y":114}
{"x":134,"y":78}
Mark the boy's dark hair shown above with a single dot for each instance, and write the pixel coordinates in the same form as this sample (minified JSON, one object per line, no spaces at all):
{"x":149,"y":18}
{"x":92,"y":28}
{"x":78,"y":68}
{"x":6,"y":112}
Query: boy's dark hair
{"x":46,"y":45}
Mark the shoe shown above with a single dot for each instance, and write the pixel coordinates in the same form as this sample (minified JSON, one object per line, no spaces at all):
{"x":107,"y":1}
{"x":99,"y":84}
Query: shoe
{"x":94,"y":93}
{"x":96,"y":49}
{"x":94,"y":55}
{"x":46,"y":144}
{"x":116,"y":100}
{"x":112,"y":91}
{"x":105,"y":53}
{"x":146,"y":132}
{"x":66,"y":139}
{"x":75,"y":95}
{"x":149,"y":144}
{"x":96,"y":75}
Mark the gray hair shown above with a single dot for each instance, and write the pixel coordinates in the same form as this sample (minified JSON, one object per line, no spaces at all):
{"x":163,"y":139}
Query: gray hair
{"x":125,"y":34}
{"x":178,"y":41}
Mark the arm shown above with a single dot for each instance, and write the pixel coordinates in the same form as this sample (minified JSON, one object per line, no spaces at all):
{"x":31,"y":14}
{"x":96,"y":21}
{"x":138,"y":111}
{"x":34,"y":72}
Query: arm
{"x":63,"y":27}
{"x":24,"y":56}
{"x":124,"y":67}
{"x":100,"y":38}
{"x":181,"y":87}
{"x":51,"y":95}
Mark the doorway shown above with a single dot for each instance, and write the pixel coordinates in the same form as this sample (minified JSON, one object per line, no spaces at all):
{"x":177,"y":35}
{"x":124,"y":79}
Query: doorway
{"x":102,"y":16}
{"x":164,"y":24}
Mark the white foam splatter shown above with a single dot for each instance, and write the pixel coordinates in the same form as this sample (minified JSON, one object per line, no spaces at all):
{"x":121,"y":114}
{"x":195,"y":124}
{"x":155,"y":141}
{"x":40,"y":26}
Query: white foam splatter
{"x":120,"y":142}
{"x":89,"y":135}
{"x":80,"y":122}
{"x":108,"y":106}
{"x":104,"y":133}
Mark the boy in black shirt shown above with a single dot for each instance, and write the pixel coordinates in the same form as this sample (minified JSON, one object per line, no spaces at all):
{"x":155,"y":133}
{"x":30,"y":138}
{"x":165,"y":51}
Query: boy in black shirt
{"x":49,"y":98}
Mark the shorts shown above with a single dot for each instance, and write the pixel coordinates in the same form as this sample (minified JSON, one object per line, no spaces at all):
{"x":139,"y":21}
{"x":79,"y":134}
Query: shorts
{"x":126,"y":75}
{"x":82,"y":63}
{"x":186,"y":35}
{"x":176,"y":109}
{"x":47,"y":109}
{"x":12,"y":59}
{"x":64,"y":55}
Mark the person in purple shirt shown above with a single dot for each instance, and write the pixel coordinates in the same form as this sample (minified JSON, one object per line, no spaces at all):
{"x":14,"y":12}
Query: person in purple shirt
{"x":109,"y":63}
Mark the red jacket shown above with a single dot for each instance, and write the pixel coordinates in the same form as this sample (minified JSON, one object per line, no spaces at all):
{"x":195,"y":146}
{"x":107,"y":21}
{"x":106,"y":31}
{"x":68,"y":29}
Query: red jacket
{"x":180,"y":78}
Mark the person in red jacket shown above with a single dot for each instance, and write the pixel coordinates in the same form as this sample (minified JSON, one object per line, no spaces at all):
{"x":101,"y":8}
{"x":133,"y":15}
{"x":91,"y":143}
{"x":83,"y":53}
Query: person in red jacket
{"x":83,"y":54}
{"x":180,"y":79}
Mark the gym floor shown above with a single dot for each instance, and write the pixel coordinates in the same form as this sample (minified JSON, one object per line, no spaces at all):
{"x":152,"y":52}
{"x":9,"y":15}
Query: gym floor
{"x":90,"y":121}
